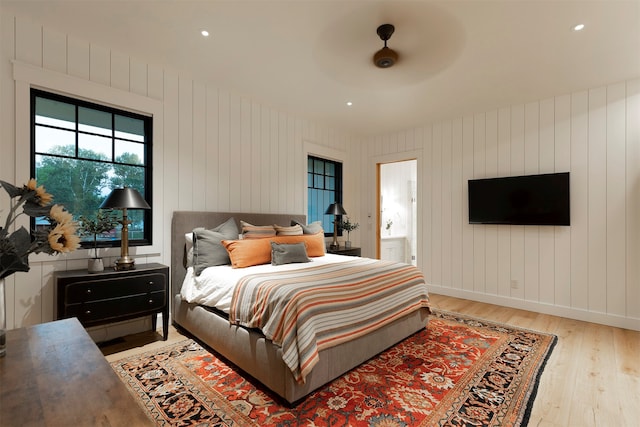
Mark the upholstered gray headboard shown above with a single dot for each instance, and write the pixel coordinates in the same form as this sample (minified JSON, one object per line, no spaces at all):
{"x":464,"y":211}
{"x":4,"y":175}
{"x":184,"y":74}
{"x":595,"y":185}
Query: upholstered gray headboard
{"x":185,"y":221}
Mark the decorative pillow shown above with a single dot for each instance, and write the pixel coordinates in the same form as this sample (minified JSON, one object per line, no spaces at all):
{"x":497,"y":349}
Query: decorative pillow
{"x":294,"y":230}
{"x":287,"y":253}
{"x":188,"y":238}
{"x":313,"y":228}
{"x":250,"y":231}
{"x":207,"y":245}
{"x":247,"y":252}
{"x":314,"y":242}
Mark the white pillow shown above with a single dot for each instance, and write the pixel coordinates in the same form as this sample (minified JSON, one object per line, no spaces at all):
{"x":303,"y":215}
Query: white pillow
{"x":188,"y":238}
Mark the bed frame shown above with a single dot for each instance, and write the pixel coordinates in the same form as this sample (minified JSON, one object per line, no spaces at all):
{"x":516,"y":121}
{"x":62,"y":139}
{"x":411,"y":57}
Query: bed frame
{"x":249,"y":349}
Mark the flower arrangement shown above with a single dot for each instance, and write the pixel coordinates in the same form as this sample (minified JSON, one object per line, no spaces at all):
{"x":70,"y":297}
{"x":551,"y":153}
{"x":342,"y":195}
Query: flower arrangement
{"x":104,"y":221}
{"x":59,"y":236}
{"x":348,"y":226}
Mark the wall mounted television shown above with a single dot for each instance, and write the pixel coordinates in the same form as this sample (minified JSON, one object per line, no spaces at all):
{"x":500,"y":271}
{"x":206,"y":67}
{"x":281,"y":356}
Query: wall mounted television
{"x":520,"y":200}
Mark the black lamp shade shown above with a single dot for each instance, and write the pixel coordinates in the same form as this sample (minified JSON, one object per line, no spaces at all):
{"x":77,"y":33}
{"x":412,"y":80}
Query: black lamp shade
{"x":125,"y":198}
{"x":335,"y":209}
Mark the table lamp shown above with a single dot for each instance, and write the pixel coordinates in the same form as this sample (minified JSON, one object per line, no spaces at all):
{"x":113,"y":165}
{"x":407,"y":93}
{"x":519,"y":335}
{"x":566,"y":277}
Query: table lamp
{"x":335,"y":209}
{"x":125,"y":198}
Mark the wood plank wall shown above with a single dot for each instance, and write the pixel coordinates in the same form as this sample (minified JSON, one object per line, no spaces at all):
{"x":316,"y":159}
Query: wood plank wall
{"x":589,"y":270}
{"x":221,"y":151}
{"x":215,"y":150}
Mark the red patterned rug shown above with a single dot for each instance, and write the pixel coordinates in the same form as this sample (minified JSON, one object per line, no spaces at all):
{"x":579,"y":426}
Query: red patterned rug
{"x":459,"y":371}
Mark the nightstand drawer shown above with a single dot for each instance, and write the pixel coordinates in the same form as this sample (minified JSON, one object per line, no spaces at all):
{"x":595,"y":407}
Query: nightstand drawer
{"x":92,"y":290}
{"x":103,"y":310}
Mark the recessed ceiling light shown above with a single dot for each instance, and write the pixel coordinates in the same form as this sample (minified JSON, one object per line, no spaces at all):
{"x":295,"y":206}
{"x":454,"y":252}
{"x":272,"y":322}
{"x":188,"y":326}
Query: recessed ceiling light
{"x":349,"y":103}
{"x":578,"y":27}
{"x":205,"y":33}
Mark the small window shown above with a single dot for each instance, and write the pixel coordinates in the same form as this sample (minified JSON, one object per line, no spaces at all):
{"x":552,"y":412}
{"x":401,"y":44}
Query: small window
{"x":81,"y":151}
{"x":324,"y":186}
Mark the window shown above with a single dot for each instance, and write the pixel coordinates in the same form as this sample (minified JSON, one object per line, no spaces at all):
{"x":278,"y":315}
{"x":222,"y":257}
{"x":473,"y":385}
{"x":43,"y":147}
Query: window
{"x":324,"y":186}
{"x":81,"y":151}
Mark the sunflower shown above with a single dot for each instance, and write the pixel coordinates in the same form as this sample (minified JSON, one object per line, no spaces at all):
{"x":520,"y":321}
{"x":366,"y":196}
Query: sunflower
{"x":63,"y":238}
{"x":57,"y":236}
{"x":42,"y":196}
{"x":59,"y":215}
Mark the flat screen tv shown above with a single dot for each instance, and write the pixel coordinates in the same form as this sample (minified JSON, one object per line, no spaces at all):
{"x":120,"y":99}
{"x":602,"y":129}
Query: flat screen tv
{"x":520,"y":200}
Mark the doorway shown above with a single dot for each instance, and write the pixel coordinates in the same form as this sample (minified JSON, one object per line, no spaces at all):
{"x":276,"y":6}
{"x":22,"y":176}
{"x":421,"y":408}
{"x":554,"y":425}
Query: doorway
{"x":397,"y":211}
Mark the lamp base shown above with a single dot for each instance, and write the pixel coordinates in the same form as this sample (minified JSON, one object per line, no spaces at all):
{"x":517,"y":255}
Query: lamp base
{"x":123,"y":264}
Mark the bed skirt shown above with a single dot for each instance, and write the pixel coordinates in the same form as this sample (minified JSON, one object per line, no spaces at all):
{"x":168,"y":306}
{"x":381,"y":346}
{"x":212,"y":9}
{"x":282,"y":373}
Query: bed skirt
{"x":260,"y":358}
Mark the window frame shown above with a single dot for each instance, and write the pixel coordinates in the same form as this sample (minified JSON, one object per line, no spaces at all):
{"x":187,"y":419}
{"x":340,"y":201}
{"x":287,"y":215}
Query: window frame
{"x":338,"y":191}
{"x":146,"y":99}
{"x":77,"y":102}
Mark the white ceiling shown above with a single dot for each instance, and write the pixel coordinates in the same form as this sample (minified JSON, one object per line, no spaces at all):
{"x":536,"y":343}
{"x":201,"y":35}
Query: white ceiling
{"x":311,"y":57}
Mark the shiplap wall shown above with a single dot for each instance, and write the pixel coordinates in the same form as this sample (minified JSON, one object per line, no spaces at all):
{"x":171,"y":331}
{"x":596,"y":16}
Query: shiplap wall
{"x":220,"y":151}
{"x":589,"y":270}
{"x":214,"y":150}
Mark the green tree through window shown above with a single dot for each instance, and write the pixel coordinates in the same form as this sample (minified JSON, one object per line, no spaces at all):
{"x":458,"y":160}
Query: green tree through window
{"x":81,"y":151}
{"x":77,"y":184}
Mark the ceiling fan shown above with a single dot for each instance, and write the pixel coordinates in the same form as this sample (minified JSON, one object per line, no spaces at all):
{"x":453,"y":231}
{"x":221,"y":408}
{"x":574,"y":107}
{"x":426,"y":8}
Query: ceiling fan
{"x":385,"y":57}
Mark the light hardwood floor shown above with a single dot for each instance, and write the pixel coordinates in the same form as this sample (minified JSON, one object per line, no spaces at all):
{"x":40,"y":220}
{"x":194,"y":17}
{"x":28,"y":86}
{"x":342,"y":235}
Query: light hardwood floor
{"x":592,"y":378}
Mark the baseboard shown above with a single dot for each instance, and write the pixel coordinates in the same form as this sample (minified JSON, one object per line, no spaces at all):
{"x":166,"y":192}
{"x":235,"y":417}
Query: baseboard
{"x":538,"y":307}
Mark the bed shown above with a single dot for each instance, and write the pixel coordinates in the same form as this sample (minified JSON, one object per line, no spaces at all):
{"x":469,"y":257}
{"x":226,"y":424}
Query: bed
{"x":248,"y":348}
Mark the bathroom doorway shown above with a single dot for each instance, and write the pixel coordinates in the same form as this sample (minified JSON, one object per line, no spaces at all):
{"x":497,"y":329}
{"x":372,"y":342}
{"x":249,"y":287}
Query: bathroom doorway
{"x":397,"y":211}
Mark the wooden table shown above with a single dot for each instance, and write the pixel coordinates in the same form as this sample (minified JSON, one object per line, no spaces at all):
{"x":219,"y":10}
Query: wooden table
{"x":54,"y":375}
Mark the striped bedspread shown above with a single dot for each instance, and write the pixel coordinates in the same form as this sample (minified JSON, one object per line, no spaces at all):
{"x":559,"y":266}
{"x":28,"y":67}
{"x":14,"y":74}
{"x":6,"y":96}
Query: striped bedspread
{"x":307,"y":310}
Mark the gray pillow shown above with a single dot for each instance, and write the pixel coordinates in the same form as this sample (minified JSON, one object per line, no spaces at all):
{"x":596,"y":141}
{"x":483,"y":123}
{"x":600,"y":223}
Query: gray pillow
{"x":313,"y":228}
{"x":287,"y":253}
{"x":207,"y":247}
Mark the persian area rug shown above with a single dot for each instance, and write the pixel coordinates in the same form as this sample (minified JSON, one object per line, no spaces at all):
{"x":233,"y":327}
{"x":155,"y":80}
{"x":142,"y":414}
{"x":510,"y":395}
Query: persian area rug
{"x":459,"y":371}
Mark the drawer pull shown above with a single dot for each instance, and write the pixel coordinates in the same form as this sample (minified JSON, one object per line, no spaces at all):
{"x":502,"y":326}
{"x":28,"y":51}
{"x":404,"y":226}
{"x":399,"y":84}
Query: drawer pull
{"x":88,"y":312}
{"x":150,"y":301}
{"x":88,"y":291}
{"x":151,"y":283}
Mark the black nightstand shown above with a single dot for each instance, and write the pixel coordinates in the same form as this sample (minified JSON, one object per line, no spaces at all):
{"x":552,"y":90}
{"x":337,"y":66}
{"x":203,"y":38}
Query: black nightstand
{"x":352,"y":251}
{"x":111,"y":296}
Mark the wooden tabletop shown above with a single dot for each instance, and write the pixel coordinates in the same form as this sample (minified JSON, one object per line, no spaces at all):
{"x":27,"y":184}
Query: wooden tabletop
{"x":54,"y":375}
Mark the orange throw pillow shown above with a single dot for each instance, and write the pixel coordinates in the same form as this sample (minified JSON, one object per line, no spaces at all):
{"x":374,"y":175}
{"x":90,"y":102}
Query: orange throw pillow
{"x":248,"y":252}
{"x":314,"y":242}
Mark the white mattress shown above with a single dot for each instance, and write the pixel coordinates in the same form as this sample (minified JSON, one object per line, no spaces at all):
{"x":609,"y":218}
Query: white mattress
{"x":214,"y":287}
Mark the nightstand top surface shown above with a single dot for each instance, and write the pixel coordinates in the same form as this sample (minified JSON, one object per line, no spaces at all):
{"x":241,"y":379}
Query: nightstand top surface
{"x":110,"y":270}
